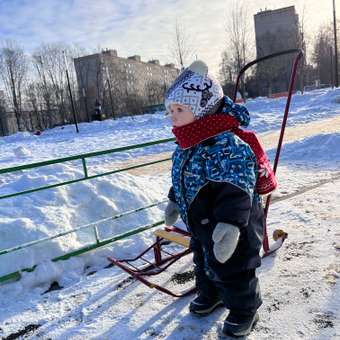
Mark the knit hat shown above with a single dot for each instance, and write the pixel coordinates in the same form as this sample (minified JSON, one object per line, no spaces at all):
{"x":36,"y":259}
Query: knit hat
{"x":196,"y":88}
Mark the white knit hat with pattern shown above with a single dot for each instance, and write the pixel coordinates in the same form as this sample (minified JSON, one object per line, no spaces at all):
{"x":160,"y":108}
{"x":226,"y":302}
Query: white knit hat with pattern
{"x":194,"y":87}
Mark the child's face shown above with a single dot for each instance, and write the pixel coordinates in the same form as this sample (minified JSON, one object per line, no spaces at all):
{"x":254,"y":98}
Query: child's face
{"x":181,"y":115}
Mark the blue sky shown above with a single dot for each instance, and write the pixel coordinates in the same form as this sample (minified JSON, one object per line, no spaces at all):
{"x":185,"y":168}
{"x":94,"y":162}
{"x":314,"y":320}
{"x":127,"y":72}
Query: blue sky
{"x":143,"y":27}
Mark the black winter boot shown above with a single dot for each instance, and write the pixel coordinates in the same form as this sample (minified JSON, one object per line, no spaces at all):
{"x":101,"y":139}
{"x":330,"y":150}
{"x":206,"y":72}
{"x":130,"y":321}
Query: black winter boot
{"x":239,"y":325}
{"x":204,"y":304}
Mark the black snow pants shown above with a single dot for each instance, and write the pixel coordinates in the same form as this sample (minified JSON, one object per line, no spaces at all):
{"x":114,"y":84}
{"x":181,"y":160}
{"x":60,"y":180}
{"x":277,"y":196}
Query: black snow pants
{"x":234,"y":281}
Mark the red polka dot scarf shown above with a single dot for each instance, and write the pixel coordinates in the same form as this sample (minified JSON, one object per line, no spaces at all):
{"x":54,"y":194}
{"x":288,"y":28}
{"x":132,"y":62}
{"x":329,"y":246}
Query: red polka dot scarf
{"x":212,"y":125}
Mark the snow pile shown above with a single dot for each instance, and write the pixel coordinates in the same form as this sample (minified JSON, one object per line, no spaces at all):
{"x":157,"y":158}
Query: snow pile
{"x":46,"y":213}
{"x":321,"y":150}
{"x":22,"y":152}
{"x":266,"y":114}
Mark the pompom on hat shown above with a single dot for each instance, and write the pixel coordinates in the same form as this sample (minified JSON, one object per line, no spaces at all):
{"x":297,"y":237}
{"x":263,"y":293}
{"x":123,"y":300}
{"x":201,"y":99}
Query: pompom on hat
{"x":197,"y":89}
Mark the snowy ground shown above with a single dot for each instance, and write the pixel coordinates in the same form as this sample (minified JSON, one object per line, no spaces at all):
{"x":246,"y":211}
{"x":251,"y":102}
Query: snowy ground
{"x":300,"y":285}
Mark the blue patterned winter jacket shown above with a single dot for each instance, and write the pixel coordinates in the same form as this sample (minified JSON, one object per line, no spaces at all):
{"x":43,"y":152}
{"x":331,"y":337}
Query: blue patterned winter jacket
{"x":229,"y":160}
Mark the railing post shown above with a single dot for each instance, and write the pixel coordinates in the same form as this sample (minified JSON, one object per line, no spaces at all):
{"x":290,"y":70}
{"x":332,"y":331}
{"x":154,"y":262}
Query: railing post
{"x":84,"y":168}
{"x":96,"y":235}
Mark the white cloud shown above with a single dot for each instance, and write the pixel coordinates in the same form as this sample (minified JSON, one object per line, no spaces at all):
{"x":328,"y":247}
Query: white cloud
{"x":143,"y":27}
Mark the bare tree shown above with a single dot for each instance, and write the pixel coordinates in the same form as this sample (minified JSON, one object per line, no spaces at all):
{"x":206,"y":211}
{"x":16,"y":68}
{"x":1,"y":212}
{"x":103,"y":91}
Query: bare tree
{"x":238,"y":44}
{"x":226,"y":68}
{"x":34,"y":99}
{"x":45,"y":90}
{"x":50,"y":66}
{"x":13,"y":69}
{"x":181,"y":48}
{"x":238,"y":33}
{"x":303,"y":37}
{"x":51,"y":69}
{"x":302,"y":44}
{"x":2,"y":114}
{"x":49,"y":62}
{"x":323,"y":54}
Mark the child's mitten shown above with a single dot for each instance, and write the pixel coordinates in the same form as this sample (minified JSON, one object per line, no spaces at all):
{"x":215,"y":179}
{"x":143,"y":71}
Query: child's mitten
{"x":225,"y":237}
{"x":171,"y":213}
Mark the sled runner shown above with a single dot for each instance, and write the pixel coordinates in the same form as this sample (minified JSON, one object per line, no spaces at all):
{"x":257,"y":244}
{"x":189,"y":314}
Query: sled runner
{"x":164,"y":258}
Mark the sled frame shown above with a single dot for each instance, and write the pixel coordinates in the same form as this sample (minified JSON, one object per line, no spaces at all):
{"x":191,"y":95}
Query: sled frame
{"x":299,"y":54}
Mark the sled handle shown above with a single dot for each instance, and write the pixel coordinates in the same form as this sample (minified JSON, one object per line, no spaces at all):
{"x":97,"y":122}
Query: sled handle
{"x":299,"y":55}
{"x":284,"y":120}
{"x":298,"y":51}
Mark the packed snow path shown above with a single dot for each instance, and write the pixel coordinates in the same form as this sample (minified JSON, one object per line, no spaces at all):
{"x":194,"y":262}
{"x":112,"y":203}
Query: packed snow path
{"x":269,"y":141}
{"x":301,"y":131}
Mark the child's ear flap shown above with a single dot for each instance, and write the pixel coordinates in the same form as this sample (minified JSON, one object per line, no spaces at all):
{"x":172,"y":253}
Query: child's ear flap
{"x":199,"y":67}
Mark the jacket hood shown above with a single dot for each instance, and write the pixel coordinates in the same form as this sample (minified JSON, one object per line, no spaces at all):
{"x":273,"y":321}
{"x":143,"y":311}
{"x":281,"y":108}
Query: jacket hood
{"x":239,"y":112}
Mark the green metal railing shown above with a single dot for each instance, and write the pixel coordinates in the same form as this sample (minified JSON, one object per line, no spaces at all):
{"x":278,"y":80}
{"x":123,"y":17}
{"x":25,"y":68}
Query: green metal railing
{"x":83,"y":158}
{"x":99,"y":242}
